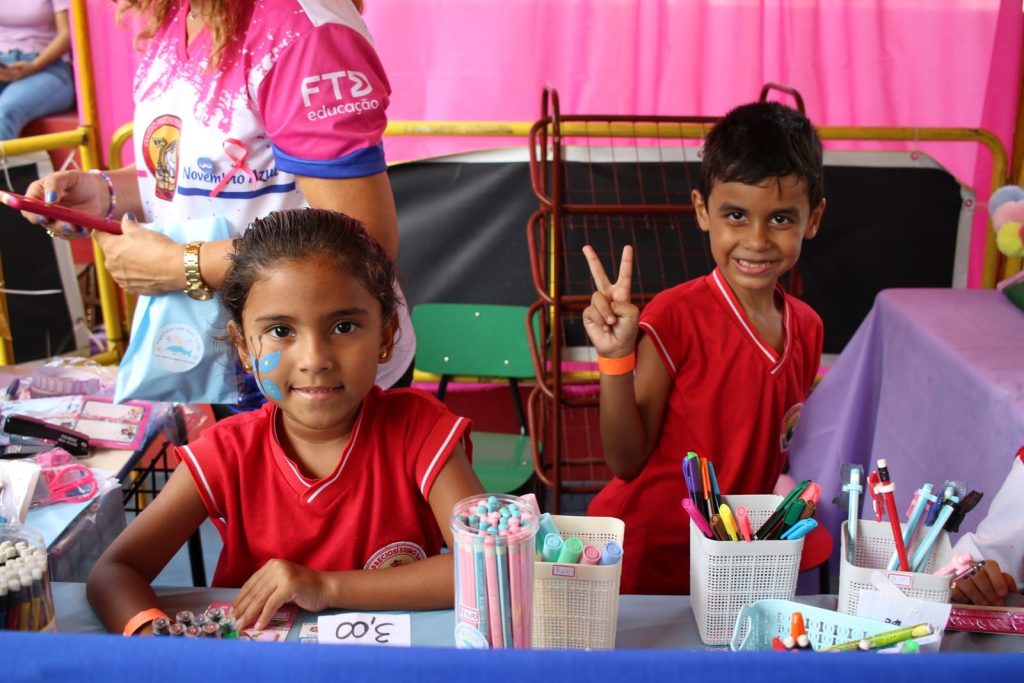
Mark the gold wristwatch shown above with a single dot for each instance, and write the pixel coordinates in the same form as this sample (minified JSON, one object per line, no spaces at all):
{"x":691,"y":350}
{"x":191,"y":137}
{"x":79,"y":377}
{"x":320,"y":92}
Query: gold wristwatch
{"x":194,"y":285}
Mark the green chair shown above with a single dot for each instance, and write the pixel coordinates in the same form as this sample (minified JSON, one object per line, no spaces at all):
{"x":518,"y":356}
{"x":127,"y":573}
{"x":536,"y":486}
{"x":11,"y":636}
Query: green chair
{"x":485,"y":341}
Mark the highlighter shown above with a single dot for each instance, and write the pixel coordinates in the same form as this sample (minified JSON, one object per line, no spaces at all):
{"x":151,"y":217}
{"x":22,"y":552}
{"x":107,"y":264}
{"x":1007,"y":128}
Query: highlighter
{"x":743,"y":522}
{"x":590,"y":555}
{"x":725,"y":512}
{"x":698,"y":518}
{"x":571,"y":550}
{"x":612,"y":553}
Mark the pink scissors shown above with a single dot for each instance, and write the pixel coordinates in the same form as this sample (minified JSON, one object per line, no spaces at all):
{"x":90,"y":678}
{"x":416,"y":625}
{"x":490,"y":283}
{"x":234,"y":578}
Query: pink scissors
{"x":68,"y":484}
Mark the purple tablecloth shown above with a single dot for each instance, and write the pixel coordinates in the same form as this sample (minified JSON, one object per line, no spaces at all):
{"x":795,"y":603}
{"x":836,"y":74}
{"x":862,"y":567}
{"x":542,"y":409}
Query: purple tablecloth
{"x":933,"y":381}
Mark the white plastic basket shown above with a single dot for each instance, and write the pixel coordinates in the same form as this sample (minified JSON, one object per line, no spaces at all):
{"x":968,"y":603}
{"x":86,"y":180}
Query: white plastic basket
{"x":576,"y":606}
{"x":763,"y":620}
{"x":874,"y":549}
{"x":727,"y":575}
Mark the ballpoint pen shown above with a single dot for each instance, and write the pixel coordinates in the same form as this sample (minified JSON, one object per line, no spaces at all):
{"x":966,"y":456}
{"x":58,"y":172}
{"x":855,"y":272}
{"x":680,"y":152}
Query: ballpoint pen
{"x":970,"y":571}
{"x":853,"y":487}
{"x":725,"y":512}
{"x":780,"y":511}
{"x":921,"y":499}
{"x":886,"y":488}
{"x":876,"y":499}
{"x":950,"y":489}
{"x":923,"y":550}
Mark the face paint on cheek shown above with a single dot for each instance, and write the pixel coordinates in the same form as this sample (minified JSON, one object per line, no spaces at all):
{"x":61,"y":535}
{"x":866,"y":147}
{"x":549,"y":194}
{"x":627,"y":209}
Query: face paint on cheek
{"x":266,"y":385}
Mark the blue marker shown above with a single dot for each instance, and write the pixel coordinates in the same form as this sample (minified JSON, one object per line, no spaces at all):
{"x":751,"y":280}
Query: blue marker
{"x":552,"y":547}
{"x":545,"y":526}
{"x":612,"y":553}
{"x":799,"y":530}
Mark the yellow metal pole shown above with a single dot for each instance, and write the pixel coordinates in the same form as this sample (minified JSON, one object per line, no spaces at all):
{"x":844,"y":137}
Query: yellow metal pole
{"x":87,"y":114}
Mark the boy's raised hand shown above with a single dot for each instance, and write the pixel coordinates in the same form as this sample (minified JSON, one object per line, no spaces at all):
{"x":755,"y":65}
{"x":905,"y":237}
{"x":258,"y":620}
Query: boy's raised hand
{"x":610,"y":320}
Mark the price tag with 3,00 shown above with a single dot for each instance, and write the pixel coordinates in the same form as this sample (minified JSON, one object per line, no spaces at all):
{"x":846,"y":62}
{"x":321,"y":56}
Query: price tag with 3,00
{"x":356,"y":628}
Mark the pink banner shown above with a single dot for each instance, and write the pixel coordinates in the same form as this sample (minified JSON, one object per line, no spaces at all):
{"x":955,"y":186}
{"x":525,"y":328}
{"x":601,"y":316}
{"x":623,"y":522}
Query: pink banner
{"x":857,"y":63}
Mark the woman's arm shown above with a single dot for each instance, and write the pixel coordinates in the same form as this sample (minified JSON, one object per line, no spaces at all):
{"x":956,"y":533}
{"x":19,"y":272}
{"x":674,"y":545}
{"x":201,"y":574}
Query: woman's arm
{"x":146,"y":262}
{"x":366,"y":199}
{"x":427,"y":584}
{"x":119,"y":584}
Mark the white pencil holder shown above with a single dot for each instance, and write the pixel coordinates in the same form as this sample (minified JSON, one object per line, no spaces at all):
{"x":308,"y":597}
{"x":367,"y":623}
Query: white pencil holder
{"x":874,"y":548}
{"x":727,"y":575}
{"x":576,"y":606}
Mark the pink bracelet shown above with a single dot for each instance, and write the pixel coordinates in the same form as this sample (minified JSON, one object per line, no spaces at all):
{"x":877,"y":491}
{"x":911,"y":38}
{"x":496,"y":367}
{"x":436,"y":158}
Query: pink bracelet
{"x":110,"y":186}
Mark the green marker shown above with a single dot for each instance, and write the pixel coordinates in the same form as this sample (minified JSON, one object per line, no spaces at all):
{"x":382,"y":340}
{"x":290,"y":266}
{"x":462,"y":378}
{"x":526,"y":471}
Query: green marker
{"x":780,"y":511}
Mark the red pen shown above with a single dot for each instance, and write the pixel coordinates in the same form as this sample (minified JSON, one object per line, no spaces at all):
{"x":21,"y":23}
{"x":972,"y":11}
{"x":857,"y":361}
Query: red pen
{"x":885,"y":488}
{"x":876,"y":499}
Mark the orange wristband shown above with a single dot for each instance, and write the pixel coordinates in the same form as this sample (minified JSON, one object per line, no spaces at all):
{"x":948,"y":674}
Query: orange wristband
{"x":616,"y":366}
{"x":141,"y":619}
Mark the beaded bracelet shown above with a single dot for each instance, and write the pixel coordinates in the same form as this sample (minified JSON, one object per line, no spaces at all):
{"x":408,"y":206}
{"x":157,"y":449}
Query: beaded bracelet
{"x":616,"y":366}
{"x":110,"y":186}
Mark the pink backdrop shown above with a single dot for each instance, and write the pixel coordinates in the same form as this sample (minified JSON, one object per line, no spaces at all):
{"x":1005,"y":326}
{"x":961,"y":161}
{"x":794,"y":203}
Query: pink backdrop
{"x":856,"y":62}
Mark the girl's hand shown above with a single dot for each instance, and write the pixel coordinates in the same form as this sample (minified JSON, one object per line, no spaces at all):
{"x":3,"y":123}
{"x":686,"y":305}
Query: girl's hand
{"x":611,"y":321}
{"x":143,"y":261}
{"x":988,"y":587}
{"x":276,"y":583}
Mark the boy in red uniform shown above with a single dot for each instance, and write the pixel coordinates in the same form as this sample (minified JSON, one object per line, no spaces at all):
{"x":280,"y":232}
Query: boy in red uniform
{"x":719,"y":365}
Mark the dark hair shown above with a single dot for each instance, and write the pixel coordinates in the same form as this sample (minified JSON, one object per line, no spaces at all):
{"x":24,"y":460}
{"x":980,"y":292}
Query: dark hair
{"x":301,"y":235}
{"x":760,"y":141}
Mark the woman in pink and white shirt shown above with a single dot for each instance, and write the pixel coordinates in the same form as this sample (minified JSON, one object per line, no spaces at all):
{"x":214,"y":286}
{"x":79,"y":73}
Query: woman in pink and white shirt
{"x":242,"y":108}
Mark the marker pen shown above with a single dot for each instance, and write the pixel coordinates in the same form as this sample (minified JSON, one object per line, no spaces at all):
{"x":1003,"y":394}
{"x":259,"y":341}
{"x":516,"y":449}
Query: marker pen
{"x":780,"y":510}
{"x":570,"y":552}
{"x":743,"y":521}
{"x":552,"y":547}
{"x":612,"y":553}
{"x":590,"y":555}
{"x":698,"y":518}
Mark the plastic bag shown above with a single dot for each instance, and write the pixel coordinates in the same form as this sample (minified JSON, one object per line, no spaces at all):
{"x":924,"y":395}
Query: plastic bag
{"x":174,"y":354}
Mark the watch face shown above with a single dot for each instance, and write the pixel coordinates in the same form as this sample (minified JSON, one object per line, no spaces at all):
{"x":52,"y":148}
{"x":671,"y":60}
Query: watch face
{"x":200,"y":293}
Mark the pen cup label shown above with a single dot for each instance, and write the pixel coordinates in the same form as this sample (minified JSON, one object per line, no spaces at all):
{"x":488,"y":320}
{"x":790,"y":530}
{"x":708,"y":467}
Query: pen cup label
{"x":567,"y":571}
{"x":901,"y":580}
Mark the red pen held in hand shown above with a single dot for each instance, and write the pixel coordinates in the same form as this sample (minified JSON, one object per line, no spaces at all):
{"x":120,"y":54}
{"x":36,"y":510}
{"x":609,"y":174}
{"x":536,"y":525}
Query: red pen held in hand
{"x":885,"y":488}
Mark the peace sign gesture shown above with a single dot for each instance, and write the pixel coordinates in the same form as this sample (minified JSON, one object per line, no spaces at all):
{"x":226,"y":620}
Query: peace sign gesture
{"x":610,"y":320}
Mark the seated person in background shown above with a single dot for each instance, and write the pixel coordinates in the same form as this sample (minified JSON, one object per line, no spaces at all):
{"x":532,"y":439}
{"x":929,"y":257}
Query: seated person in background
{"x":332,"y":476}
{"x":999,"y":541}
{"x":723,"y":362}
{"x":35,"y":74}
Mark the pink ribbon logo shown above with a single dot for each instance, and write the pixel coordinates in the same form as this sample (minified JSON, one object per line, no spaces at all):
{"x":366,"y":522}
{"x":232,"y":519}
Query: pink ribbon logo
{"x":238,"y":153}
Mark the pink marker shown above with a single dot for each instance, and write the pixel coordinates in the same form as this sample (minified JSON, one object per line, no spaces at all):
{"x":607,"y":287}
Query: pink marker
{"x":698,"y":518}
{"x":590,"y":554}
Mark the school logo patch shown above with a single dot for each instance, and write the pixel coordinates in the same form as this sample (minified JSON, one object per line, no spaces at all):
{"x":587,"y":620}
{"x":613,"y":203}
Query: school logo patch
{"x":160,"y":152}
{"x":177,"y":348}
{"x":396,"y":554}
{"x":789,"y":421}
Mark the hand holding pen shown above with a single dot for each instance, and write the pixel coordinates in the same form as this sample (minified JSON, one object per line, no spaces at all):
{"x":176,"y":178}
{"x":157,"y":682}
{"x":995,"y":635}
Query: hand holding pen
{"x":984,"y":583}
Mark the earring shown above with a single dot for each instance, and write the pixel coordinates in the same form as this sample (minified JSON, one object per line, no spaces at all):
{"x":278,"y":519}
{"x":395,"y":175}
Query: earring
{"x":384,"y":355}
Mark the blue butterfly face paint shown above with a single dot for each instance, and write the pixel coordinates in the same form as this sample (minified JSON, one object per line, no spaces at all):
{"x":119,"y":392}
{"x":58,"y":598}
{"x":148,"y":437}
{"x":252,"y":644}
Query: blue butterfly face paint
{"x":267,"y":363}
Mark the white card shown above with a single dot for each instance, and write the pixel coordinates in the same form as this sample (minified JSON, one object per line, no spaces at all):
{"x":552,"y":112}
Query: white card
{"x":356,"y":628}
{"x":890,"y":605}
